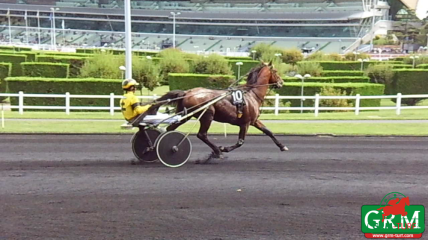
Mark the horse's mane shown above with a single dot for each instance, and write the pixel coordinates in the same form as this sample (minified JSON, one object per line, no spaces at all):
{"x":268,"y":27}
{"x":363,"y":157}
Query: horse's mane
{"x":254,"y":73}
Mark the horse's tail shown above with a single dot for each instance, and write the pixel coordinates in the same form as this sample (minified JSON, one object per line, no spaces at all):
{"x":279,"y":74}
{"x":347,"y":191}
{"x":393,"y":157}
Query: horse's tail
{"x":173,"y":98}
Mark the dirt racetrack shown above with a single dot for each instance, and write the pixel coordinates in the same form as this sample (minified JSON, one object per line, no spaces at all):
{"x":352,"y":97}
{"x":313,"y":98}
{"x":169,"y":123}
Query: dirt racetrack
{"x":84,"y":187}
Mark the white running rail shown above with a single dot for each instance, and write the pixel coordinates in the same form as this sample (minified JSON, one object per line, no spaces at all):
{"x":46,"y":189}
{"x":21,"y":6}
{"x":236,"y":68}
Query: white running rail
{"x":276,"y":108}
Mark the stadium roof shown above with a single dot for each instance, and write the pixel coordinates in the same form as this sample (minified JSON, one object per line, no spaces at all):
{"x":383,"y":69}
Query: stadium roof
{"x":420,"y":7}
{"x":195,"y":15}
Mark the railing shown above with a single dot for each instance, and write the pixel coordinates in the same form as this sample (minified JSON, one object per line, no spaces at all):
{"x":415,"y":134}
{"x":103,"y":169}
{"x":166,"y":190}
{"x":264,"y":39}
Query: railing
{"x":276,"y":108}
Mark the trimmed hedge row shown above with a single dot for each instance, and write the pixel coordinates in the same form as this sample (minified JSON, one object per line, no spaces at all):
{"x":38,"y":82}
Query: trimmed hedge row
{"x":15,"y":48}
{"x":336,"y":73}
{"x":84,"y":86}
{"x":344,"y":79}
{"x":184,"y":81}
{"x":310,"y":89}
{"x":31,"y":56}
{"x":423,"y":66}
{"x":246,"y":66}
{"x":45,"y":69}
{"x":16,"y":60}
{"x":76,"y":63}
{"x":409,"y":81}
{"x":5,"y":70}
{"x":349,"y":65}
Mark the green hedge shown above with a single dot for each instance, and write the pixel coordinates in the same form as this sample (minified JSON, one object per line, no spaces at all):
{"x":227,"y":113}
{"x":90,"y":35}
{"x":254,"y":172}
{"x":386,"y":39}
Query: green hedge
{"x":31,"y":56}
{"x":344,"y":79}
{"x":16,"y":60}
{"x":246,"y":66}
{"x":184,"y":81}
{"x":15,"y":48}
{"x":400,"y":66}
{"x":423,"y":66}
{"x":349,"y":65}
{"x":66,"y":54}
{"x":337,"y":73}
{"x":76,"y":63}
{"x":5,"y":71}
{"x":239,"y":58}
{"x":83,"y":86}
{"x":45,"y":69}
{"x":409,"y":81}
{"x":310,"y":89}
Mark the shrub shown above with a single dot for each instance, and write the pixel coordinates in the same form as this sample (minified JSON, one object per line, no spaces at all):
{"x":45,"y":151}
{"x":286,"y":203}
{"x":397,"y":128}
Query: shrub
{"x":286,"y":69}
{"x":319,"y":56}
{"x":420,"y":60}
{"x":102,"y":65}
{"x":246,"y":66}
{"x":188,"y":81}
{"x":212,"y":64}
{"x":339,"y":79}
{"x":310,"y":89}
{"x":87,"y":86}
{"x":332,"y":73}
{"x":312,"y":68}
{"x":16,"y":60}
{"x":145,"y":72}
{"x":5,"y":71}
{"x":172,"y":61}
{"x":380,"y":73}
{"x":47,"y":70}
{"x":291,"y":56}
{"x":262,"y":48}
{"x":409,"y":81}
{"x":350,"y":56}
{"x":330,"y":91}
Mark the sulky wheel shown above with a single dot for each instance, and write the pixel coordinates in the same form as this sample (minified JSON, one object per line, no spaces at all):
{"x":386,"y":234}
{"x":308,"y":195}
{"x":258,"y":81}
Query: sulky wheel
{"x":140,"y":145}
{"x":173,"y":149}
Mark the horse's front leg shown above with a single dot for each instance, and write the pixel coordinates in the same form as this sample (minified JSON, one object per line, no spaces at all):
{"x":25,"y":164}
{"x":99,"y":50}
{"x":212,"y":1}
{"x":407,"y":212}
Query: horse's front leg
{"x":242,"y":132}
{"x":259,"y":125}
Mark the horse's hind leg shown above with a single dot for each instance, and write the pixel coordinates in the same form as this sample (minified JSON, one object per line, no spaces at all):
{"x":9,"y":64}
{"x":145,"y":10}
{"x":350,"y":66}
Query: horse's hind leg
{"x":242,"y":132}
{"x":259,"y":125}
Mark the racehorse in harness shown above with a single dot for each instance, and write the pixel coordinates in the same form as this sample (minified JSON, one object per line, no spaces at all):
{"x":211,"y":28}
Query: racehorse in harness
{"x":259,"y":80}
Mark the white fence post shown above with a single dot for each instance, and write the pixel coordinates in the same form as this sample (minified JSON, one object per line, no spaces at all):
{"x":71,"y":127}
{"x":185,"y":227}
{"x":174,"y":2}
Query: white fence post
{"x":111,"y":104}
{"x":317,"y":104}
{"x":67,"y":103}
{"x":357,"y":105}
{"x":398,"y":106}
{"x":21,"y":102}
{"x":276,"y":104}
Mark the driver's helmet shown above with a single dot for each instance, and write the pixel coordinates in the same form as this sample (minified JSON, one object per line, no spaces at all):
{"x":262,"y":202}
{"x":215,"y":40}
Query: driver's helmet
{"x":127,"y":83}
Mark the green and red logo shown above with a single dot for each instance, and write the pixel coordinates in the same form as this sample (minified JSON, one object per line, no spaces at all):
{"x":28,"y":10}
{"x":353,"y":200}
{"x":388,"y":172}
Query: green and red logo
{"x":394,"y":217}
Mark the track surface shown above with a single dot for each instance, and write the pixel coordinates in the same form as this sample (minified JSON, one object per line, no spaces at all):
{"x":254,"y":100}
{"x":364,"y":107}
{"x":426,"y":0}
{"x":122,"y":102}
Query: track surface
{"x":84,"y":187}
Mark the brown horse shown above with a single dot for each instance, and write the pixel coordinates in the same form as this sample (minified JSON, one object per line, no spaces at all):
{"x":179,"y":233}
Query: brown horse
{"x":258,"y":82}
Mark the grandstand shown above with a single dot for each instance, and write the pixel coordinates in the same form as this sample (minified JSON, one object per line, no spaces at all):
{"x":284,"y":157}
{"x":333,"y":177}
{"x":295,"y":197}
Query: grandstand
{"x":206,"y":26}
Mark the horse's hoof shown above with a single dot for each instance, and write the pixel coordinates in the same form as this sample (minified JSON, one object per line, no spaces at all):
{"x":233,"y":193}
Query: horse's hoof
{"x":284,"y":148}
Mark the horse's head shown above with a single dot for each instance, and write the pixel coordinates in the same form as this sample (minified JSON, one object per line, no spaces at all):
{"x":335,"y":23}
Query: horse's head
{"x":274,"y":79}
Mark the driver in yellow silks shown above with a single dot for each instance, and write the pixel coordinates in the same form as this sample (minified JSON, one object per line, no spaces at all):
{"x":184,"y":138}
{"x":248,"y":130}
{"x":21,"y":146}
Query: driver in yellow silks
{"x":130,"y":106}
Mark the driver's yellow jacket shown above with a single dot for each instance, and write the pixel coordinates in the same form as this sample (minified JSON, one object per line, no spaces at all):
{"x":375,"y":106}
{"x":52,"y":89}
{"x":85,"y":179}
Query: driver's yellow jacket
{"x":131,"y":107}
